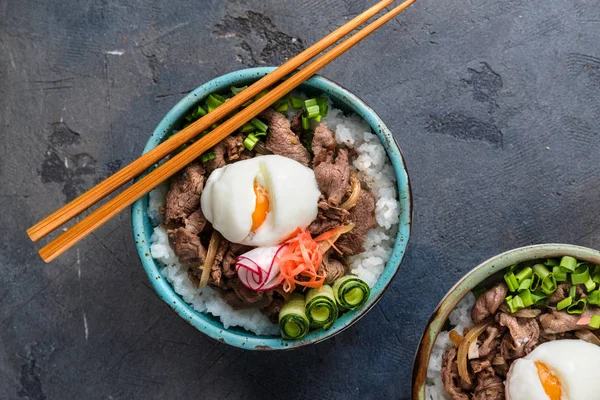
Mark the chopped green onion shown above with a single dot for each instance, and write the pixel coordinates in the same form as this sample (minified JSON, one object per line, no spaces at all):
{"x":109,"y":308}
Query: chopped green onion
{"x":236,"y":90}
{"x":548,"y":283}
{"x":207,"y":156}
{"x":310,"y":103}
{"x":552,"y":262}
{"x":247,"y":128}
{"x":259,"y":125}
{"x":590,"y":285}
{"x":318,"y":118}
{"x":559,"y":274}
{"x":537,"y":297}
{"x":246,"y":104}
{"x":293,"y":322}
{"x":525,"y":284}
{"x":261,"y":94}
{"x":312,"y":111}
{"x":199,"y":112}
{"x":295,"y":102}
{"x":514,"y":303}
{"x":351,"y":292}
{"x":511,"y":281}
{"x":189,"y":117}
{"x":594,"y":297}
{"x":573,"y":291}
{"x":596,"y":274}
{"x":213,"y":101}
{"x":525,"y":296}
{"x":541,"y":270}
{"x":260,"y":134}
{"x":568,"y":263}
{"x":577,"y":307}
{"x":323,"y":106}
{"x":250,"y":141}
{"x":525,"y":273}
{"x":595,"y":322}
{"x":305,"y":123}
{"x":215,"y":125}
{"x":564,"y":303}
{"x":580,"y":275}
{"x":321,"y":308}
{"x":282,"y":108}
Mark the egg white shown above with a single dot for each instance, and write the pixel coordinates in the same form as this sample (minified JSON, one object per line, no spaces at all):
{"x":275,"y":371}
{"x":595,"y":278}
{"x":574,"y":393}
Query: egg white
{"x":576,"y":363}
{"x":228,"y":200}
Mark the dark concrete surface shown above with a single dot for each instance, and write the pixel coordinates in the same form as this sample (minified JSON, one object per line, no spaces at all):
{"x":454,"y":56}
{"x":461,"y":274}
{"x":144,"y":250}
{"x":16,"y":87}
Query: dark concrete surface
{"x":495,"y":104}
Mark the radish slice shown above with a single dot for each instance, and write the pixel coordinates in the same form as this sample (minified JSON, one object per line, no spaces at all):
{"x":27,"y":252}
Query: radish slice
{"x":258,"y":269}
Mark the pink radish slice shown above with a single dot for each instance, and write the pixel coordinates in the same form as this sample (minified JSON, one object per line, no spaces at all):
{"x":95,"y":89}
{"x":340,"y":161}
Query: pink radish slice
{"x":258,"y":269}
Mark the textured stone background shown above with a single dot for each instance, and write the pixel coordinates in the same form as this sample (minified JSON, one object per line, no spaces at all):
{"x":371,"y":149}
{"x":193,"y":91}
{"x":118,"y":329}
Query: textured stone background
{"x":495,"y":104}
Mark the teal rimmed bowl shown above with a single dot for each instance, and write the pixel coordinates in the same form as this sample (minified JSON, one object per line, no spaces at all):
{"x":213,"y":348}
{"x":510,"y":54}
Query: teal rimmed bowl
{"x":486,"y":272}
{"x":206,"y":323}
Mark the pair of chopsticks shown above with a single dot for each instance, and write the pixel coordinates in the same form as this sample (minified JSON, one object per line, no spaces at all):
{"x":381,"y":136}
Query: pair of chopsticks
{"x":128,"y":196}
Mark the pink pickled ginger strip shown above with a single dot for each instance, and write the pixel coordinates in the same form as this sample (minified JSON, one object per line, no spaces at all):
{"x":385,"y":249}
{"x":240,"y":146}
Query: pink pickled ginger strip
{"x":258,"y":269}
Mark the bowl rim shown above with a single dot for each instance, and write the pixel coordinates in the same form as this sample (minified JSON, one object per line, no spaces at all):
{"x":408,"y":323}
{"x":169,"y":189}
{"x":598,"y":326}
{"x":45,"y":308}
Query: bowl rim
{"x":142,"y":229}
{"x":469,"y":281}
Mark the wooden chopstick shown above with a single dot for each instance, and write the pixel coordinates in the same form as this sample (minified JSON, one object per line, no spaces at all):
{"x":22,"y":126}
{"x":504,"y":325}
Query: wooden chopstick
{"x":137,"y":167}
{"x":190,"y":153}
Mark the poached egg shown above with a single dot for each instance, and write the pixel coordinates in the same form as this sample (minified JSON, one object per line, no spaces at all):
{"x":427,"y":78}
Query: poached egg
{"x":260,"y":201}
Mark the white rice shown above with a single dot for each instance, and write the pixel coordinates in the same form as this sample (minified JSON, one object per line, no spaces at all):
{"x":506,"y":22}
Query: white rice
{"x":460,"y":318}
{"x":373,"y":168}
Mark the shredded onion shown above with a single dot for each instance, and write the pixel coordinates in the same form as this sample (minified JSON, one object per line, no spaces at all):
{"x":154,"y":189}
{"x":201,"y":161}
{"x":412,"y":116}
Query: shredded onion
{"x":473,"y":351}
{"x":588,"y":336}
{"x":213,"y":245}
{"x":498,"y":360}
{"x":463,"y":349}
{"x":455,"y":337}
{"x":527,"y":313}
{"x":354,"y":195}
{"x":326,"y":240}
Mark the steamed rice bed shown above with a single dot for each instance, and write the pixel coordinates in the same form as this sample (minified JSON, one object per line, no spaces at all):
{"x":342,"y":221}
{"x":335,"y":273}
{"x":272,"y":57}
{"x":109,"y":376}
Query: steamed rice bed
{"x":373,"y":169}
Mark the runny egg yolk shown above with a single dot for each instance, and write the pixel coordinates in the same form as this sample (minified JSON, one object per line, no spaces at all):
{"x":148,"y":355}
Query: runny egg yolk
{"x":262,"y":206}
{"x":549,"y":381}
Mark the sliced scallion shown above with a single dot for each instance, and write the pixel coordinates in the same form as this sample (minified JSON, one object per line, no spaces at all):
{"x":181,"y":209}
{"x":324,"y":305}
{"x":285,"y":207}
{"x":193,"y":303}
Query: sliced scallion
{"x":580,"y":275}
{"x":236,"y":90}
{"x":213,"y":101}
{"x":525,"y":296}
{"x":525,"y":284}
{"x":564,"y":303}
{"x":323,"y":106}
{"x":515,"y":303}
{"x":293,"y":322}
{"x":568,"y":263}
{"x":206,"y":157}
{"x":295,"y":102}
{"x":595,"y":322}
{"x":578,"y":307}
{"x":559,"y":274}
{"x":250,"y":141}
{"x":259,"y":125}
{"x":590,"y":285}
{"x":552,"y":262}
{"x":247,"y":128}
{"x":596,"y":274}
{"x":282,"y":108}
{"x":261,"y":94}
{"x":305,"y":123}
{"x":321,"y":308}
{"x":548,"y":283}
{"x":260,"y":134}
{"x":525,"y":273}
{"x":310,"y":103}
{"x":351,"y":292}
{"x":312,"y":111}
{"x":511,"y":281}
{"x":318,"y":118}
{"x":594,"y":297}
{"x":199,"y":112}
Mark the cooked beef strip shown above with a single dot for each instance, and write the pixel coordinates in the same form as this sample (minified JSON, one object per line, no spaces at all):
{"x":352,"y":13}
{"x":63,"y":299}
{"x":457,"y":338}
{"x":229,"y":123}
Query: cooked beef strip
{"x":491,"y":342}
{"x":187,"y":246}
{"x":216,"y":271}
{"x":230,"y":258}
{"x":196,"y":222}
{"x":562,"y":292}
{"x":281,"y":140}
{"x":560,"y":321}
{"x":487,"y":304}
{"x":363,"y":216}
{"x":242,"y":297}
{"x":296,"y":123}
{"x":450,"y":375}
{"x":333,"y":178}
{"x":234,"y":146}
{"x":328,"y":218}
{"x":525,"y":333}
{"x":272,"y":310}
{"x":489,"y":386}
{"x":479,"y":365}
{"x":334,"y":269}
{"x":218,"y":161}
{"x":184,"y":194}
{"x":323,"y":145}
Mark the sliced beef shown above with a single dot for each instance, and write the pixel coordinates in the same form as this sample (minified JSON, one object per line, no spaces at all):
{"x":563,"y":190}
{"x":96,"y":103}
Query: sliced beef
{"x":242,"y":297}
{"x":489,"y":386}
{"x":184,"y":194}
{"x":562,"y":291}
{"x":487,"y":304}
{"x":363,"y":216}
{"x":296,"y":123}
{"x":218,"y":161}
{"x":281,"y":140}
{"x":196,"y":222}
{"x":272,"y":310}
{"x":328,"y":218}
{"x":450,"y":376}
{"x":524,"y":332}
{"x":480,"y":365}
{"x":230,"y":258}
{"x":187,"y":246}
{"x":491,"y":342}
{"x":216,"y":272}
{"x":323,"y":145}
{"x":559,"y":321}
{"x":333,"y":268}
{"x":234,"y":146}
{"x":333,"y":178}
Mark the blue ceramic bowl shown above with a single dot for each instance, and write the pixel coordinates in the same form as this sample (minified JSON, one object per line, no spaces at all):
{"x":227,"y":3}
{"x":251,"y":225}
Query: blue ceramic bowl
{"x":142,"y":228}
